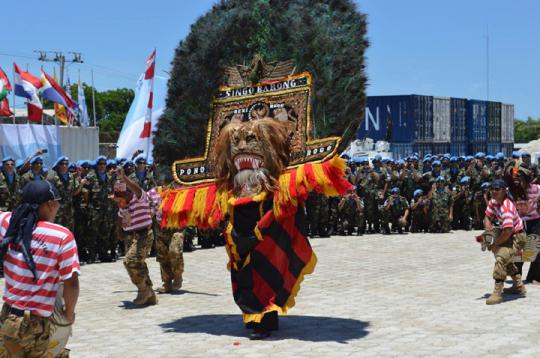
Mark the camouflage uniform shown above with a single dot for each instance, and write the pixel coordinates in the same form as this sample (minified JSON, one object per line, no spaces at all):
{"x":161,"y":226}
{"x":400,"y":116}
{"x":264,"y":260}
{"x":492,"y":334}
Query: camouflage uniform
{"x":101,"y":222}
{"x":419,"y":215}
{"x":189,"y":237}
{"x":170,"y":255}
{"x":10,"y":194}
{"x":479,"y":207}
{"x":30,"y":333}
{"x":440,"y":204}
{"x":504,"y":265}
{"x":462,"y":217}
{"x":351,"y":214}
{"x":392,"y":213}
{"x":30,"y":176}
{"x":318,"y":214}
{"x":65,"y":215}
{"x":81,"y":213}
{"x":138,"y":244}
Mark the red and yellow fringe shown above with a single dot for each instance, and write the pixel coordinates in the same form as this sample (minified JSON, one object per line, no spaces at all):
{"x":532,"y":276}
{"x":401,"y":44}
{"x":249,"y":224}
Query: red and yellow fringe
{"x":204,"y":206}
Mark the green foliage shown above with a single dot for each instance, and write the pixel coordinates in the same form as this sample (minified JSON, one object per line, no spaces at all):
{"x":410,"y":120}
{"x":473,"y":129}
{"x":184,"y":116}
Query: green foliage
{"x":326,"y":38}
{"x":526,"y":131}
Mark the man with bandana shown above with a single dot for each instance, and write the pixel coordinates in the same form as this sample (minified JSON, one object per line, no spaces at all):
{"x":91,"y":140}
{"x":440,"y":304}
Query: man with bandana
{"x":38,"y":255}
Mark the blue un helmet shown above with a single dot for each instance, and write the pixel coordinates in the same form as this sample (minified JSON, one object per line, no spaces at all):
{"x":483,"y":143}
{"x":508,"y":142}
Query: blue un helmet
{"x":440,"y":179}
{"x":59,"y":161}
{"x":485,"y":185}
{"x":395,"y":190}
{"x":436,"y":163}
{"x":418,"y":192}
{"x":516,"y":155}
{"x":465,"y":180}
{"x":480,"y":155}
{"x":500,"y":156}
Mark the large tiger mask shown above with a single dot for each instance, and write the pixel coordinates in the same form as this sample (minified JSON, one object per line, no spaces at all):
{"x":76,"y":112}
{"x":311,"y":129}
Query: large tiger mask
{"x":250,"y":156}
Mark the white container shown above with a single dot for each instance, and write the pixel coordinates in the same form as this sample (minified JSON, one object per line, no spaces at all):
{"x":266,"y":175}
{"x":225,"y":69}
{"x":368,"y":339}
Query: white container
{"x":441,"y":120}
{"x":507,"y":123}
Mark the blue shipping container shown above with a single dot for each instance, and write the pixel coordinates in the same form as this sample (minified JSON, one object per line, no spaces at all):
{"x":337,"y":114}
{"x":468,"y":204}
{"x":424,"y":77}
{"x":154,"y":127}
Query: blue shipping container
{"x":423,"y":149}
{"x":493,"y":148}
{"x":458,"y":120}
{"x":477,"y":121}
{"x":401,"y":150}
{"x":494,"y":122}
{"x":477,"y":147}
{"x":507,"y":149}
{"x":440,"y":148}
{"x":458,"y":149}
{"x":398,"y":119}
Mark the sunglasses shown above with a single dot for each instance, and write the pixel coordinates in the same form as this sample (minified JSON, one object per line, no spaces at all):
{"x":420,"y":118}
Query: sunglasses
{"x":64,"y":163}
{"x":9,"y":164}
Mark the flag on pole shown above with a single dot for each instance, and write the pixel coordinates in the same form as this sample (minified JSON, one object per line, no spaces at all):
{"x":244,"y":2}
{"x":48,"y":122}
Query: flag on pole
{"x":27,"y":86}
{"x":59,"y":110}
{"x":5,"y":86}
{"x":83,"y":111}
{"x":71,"y":111}
{"x":149,"y":76}
{"x":53,"y":92}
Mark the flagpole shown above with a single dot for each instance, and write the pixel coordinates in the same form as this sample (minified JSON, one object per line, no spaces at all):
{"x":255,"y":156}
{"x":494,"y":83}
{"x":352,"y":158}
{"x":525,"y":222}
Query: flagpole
{"x":13,"y":95}
{"x":93,"y":99}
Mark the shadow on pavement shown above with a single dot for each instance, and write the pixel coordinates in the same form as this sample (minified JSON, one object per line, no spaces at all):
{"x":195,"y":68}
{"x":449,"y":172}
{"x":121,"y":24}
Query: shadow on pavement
{"x":304,"y":328}
{"x":506,"y":297}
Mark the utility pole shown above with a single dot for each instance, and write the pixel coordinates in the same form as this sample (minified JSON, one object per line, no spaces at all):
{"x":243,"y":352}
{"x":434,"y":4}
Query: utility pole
{"x":61,"y":59}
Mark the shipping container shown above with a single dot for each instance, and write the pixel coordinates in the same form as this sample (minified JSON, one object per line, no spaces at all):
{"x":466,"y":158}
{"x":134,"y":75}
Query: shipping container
{"x":441,"y":119}
{"x":477,"y":147}
{"x":476,"y":121}
{"x":401,"y":150}
{"x":458,"y":120}
{"x":494,"y":122}
{"x":398,"y":119}
{"x":493,"y":148}
{"x":440,"y":148}
{"x":458,"y":149}
{"x":507,"y":149}
{"x":422,"y":149}
{"x":507,"y":123}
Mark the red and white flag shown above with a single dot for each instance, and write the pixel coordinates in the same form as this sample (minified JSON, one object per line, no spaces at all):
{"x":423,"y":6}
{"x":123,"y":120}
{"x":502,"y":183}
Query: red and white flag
{"x":149,"y":76}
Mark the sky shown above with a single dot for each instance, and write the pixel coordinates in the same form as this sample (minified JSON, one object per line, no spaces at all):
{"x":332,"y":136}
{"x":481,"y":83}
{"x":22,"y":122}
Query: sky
{"x":417,"y":46}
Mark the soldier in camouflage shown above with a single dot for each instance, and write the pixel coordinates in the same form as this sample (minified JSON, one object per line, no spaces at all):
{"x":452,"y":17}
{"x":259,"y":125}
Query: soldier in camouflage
{"x":100,"y":189}
{"x":351,"y":210}
{"x":395,"y":212}
{"x":35,"y":172}
{"x":10,"y":185}
{"x":68,"y":186}
{"x":419,"y":212}
{"x":463,"y":198}
{"x":441,"y":210}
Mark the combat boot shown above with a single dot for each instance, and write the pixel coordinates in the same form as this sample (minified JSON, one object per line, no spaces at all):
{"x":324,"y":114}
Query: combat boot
{"x":518,"y":288}
{"x":166,"y":288}
{"x":177,"y":283}
{"x":147,"y":297}
{"x":496,"y":296}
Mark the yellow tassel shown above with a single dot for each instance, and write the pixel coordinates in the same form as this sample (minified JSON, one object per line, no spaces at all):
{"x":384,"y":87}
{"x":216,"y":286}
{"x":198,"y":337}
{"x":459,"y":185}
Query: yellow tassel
{"x":199,"y":205}
{"x":176,"y":208}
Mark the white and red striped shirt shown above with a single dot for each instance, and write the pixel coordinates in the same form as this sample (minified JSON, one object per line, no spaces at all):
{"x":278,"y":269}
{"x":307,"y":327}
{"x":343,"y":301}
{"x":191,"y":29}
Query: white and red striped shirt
{"x":506,"y":213}
{"x":155,"y":203}
{"x":528,"y":208}
{"x":55,"y":254}
{"x":137,"y":215}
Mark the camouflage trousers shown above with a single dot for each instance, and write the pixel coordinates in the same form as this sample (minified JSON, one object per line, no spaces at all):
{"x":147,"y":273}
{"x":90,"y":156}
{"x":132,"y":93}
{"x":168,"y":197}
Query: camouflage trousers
{"x":102,"y":240}
{"x":504,"y":265}
{"x":439,"y":221}
{"x":138,"y":244}
{"x":170,"y":254}
{"x":26,"y":336}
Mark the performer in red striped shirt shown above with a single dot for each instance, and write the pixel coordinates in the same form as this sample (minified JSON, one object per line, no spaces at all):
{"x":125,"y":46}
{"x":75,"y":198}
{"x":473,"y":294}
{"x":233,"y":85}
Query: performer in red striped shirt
{"x":510,"y":241}
{"x":38,"y":255}
{"x":134,"y":226}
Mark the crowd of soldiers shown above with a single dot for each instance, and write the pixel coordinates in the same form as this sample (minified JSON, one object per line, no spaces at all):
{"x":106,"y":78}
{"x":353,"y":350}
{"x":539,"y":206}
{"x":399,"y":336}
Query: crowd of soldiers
{"x":436,"y":194}
{"x":87,"y":208}
{"x":408,"y":195}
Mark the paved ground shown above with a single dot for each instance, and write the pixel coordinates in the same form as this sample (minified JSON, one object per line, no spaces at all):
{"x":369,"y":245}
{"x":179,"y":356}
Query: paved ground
{"x":408,"y":296}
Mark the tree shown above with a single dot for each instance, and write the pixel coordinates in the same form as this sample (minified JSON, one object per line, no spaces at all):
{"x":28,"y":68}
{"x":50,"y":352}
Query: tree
{"x":526,"y":131}
{"x":326,"y":38}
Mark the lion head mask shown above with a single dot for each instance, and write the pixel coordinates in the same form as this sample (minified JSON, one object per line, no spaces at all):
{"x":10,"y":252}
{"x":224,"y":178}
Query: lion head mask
{"x":250,"y":156}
